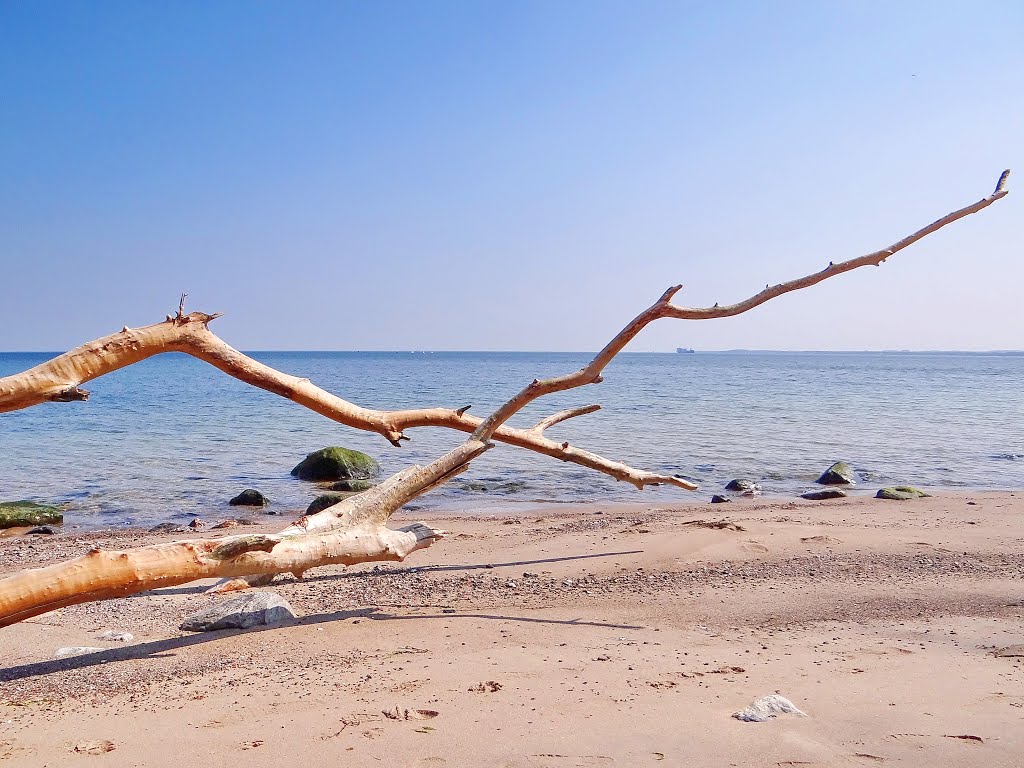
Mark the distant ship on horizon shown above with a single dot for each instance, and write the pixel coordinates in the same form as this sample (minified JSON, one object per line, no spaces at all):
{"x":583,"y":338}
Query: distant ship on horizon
{"x":685,"y":350}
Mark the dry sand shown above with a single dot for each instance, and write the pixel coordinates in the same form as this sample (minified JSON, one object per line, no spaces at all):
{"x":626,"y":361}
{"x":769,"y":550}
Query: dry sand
{"x":570,"y":636}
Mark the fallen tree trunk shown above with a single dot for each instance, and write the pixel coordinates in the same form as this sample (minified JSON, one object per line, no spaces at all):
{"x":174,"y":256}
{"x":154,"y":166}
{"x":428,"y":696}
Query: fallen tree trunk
{"x":102,"y":575}
{"x":348,"y":533}
{"x":353,"y":531}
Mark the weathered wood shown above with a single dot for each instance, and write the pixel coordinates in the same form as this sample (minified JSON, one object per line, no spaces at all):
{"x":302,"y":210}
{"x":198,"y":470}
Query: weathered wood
{"x":353,"y":531}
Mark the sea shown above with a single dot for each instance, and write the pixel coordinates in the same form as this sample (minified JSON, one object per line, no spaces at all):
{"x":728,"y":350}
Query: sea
{"x":172,"y":438}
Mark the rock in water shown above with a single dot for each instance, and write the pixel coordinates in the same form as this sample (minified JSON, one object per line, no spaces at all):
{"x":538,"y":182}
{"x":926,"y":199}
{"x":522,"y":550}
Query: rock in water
{"x":766,"y":708}
{"x":252,"y":610}
{"x":336,"y":463}
{"x":352,"y":486}
{"x":719,"y":499}
{"x":250,"y":497}
{"x":839,"y":473}
{"x":742,"y":485}
{"x":324,"y":501}
{"x":824,"y":493}
{"x":900,"y":493}
{"x":18,"y":513}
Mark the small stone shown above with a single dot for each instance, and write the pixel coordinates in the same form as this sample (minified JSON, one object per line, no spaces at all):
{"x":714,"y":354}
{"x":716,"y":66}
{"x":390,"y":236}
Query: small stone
{"x":824,"y":493}
{"x":250,"y":497}
{"x":741,"y":485}
{"x":252,"y":610}
{"x":75,"y":650}
{"x":719,"y":499}
{"x":839,"y":473}
{"x":116,"y":637}
{"x":766,"y":708}
{"x":197,"y":524}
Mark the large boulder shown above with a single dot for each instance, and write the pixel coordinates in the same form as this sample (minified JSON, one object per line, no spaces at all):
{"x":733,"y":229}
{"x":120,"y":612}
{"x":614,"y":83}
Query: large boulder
{"x":18,"y":513}
{"x":250,"y":497}
{"x":250,"y":610}
{"x":336,"y":463}
{"x":839,"y":473}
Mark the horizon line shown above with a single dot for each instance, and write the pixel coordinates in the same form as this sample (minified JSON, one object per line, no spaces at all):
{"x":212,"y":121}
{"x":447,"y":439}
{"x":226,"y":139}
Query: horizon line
{"x":736,"y":350}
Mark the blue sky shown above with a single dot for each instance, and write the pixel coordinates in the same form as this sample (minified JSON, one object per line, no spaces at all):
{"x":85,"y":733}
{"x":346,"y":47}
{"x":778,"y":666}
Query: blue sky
{"x":411,"y":175}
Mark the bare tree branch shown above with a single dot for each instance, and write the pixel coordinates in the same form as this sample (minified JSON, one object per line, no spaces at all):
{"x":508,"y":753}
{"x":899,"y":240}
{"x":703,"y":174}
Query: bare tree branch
{"x":663,"y":307}
{"x":561,"y":416}
{"x":58,"y":380}
{"x":361,"y":520}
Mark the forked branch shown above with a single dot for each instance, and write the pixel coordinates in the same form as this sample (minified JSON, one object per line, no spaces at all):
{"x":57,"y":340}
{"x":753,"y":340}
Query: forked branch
{"x":354,"y":530}
{"x":60,"y":379}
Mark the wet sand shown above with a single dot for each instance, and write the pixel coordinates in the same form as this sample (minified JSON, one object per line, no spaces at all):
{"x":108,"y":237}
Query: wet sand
{"x":569,"y":636}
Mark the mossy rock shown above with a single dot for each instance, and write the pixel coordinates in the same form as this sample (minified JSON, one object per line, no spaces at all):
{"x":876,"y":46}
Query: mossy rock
{"x":250,"y":497}
{"x":824,"y":494}
{"x":352,"y":486}
{"x":336,"y":463}
{"x":900,"y":493}
{"x":325,"y":500}
{"x":839,"y":473}
{"x":18,"y":513}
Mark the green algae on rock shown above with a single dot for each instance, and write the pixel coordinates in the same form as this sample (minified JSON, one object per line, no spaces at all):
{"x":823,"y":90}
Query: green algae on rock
{"x":351,"y":486}
{"x":823,"y":494}
{"x":336,"y":463}
{"x":901,"y":493}
{"x":18,"y":513}
{"x":839,"y":473}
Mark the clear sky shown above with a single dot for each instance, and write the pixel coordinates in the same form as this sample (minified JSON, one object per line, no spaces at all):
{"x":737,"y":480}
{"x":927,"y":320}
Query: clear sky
{"x":509,"y":175}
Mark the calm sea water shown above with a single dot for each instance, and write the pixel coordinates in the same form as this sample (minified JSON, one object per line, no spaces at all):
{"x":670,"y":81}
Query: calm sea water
{"x":172,"y":437}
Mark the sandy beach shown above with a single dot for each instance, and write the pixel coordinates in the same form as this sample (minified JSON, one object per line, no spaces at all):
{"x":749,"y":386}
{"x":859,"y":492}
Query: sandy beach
{"x":572,"y":636}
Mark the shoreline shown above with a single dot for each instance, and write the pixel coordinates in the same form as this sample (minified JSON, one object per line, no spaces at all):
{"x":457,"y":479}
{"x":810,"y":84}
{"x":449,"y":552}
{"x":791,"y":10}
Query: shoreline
{"x":488,"y":506}
{"x":615,"y":634}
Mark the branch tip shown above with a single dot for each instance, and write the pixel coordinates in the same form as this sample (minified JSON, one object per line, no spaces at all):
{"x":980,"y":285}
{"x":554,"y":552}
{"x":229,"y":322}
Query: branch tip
{"x":1001,"y":184}
{"x":666,"y":297}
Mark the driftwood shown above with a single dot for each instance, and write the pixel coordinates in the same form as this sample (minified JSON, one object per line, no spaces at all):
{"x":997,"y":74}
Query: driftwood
{"x":354,"y":530}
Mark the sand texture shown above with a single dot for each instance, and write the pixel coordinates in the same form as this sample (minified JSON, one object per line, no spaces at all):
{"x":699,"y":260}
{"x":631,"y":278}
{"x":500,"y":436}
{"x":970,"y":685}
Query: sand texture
{"x":610,"y":635}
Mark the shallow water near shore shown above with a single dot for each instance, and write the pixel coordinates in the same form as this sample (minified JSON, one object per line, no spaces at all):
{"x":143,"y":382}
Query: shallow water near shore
{"x":172,"y":438}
